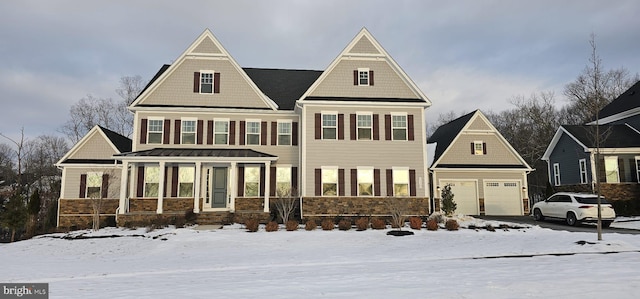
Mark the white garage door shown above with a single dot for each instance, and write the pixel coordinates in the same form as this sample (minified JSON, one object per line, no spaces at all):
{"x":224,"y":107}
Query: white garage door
{"x":465,"y":196}
{"x":502,"y":198}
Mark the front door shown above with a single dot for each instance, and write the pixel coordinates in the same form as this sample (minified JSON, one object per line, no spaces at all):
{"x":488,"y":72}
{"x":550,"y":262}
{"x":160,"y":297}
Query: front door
{"x":219,"y":187}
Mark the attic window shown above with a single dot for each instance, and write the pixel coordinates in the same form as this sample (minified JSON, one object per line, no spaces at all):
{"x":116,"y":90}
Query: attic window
{"x":206,"y":82}
{"x":363,"y":77}
{"x":478,"y":148}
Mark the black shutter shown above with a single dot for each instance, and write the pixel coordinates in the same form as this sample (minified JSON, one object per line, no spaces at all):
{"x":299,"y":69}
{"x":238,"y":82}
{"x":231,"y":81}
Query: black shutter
{"x":140,"y":185}
{"x":354,"y":182}
{"x":341,"y":182}
{"x":143,"y":131}
{"x":272,"y":182}
{"x":376,"y":127}
{"x":412,"y":182}
{"x":199,"y":131}
{"x":410,"y":134}
{"x":387,"y":127}
{"x":216,"y":82}
{"x":473,"y":149}
{"x":389,"y":182}
{"x":294,"y":180}
{"x":274,"y":133}
{"x":262,"y":180}
{"x":355,"y":77}
{"x":318,"y":125}
{"x":352,"y":126}
{"x":263,"y":133}
{"x":165,"y":129}
{"x":242,"y":132}
{"x":83,"y":186}
{"x":177,"y":129}
{"x":105,"y":185}
{"x":294,"y":133}
{"x":340,"y":126}
{"x":210,"y":132}
{"x":232,"y":132}
{"x":240,"y":181}
{"x":484,"y":148}
{"x":371,"y":77}
{"x":318,"y":181}
{"x":196,"y":82}
{"x":376,"y":182}
{"x":174,"y":182}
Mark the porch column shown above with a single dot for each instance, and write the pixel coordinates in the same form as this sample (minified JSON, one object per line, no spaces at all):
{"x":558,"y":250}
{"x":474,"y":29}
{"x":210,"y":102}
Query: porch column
{"x":124,"y":179}
{"x":233,"y":184}
{"x":198,"y":187}
{"x":160,"y":187}
{"x":267,"y":174}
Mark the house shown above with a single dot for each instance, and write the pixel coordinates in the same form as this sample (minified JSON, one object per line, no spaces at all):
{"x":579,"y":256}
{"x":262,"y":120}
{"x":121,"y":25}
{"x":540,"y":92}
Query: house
{"x":225,"y":141}
{"x":486,"y":174}
{"x":571,"y":154}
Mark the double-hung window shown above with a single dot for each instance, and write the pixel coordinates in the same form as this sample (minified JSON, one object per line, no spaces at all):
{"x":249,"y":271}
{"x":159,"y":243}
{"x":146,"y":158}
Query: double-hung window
{"x":478,"y":148}
{"x":329,"y":126}
{"x":399,"y":127}
{"x":284,"y":133}
{"x":186,"y":177}
{"x":155,"y":131}
{"x":283,"y":181}
{"x":363,"y":77}
{"x":400,"y":182}
{"x":221,"y":132}
{"x":330,"y":181}
{"x":611,"y":169}
{"x":365,"y":181}
{"x":556,"y":174}
{"x":253,"y":133}
{"x":252,"y":181}
{"x":583,"y":171}
{"x":188,"y":131}
{"x":151,"y":181}
{"x":638,"y":168}
{"x":94,"y":184}
{"x":364,"y":126}
{"x":206,"y":82}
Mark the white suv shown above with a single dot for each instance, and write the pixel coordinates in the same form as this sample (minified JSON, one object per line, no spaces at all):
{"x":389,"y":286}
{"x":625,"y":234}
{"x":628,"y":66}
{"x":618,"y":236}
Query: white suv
{"x":574,"y":208}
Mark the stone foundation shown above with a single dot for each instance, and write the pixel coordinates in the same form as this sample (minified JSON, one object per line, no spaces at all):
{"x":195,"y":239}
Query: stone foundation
{"x":78,"y":213}
{"x":177,"y":204}
{"x":353,"y":206}
{"x":612,"y":192}
{"x":143,"y":205}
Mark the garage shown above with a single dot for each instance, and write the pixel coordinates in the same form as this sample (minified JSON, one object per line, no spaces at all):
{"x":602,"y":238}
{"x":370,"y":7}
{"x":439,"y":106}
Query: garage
{"x":465,"y":195}
{"x":502,"y":198}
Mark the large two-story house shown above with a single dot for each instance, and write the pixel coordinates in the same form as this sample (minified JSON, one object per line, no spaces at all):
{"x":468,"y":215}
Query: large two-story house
{"x":571,"y":155}
{"x":224,"y":141}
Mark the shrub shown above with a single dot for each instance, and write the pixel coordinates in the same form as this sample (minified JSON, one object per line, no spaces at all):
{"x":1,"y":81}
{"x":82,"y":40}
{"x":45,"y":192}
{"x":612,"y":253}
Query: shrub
{"x":272,"y":226}
{"x":377,"y":223}
{"x":190,"y":217}
{"x":344,"y":224}
{"x":292,"y":225}
{"x":451,"y":224}
{"x":415,"y":222}
{"x":251,"y":224}
{"x":448,"y":204}
{"x":362,"y":223}
{"x":432,"y":224}
{"x":310,"y":225}
{"x":327,"y":224}
{"x":179,"y":221}
{"x":438,"y":217}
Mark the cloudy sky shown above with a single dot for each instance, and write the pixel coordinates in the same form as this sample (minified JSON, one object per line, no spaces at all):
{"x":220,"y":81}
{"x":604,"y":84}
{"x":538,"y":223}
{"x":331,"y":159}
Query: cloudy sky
{"x":464,"y":55}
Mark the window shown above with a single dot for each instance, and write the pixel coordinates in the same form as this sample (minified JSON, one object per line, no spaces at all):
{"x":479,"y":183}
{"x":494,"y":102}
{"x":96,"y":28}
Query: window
{"x":94,"y":184}
{"x":252,"y":181}
{"x":186,"y":177}
{"x":330,"y":181}
{"x":283,"y":181}
{"x":399,"y":127}
{"x":206,"y":82}
{"x":155,"y":131}
{"x":365,"y":182}
{"x":611,"y":169}
{"x":329,"y":126}
{"x":478,"y":148}
{"x":583,"y":171}
{"x":556,"y":174}
{"x":284,"y":133}
{"x":188,"y":131}
{"x":363,"y":77}
{"x":253,"y":132}
{"x":364,"y":126}
{"x":400,"y":182}
{"x":638,"y":168}
{"x":221,"y":132}
{"x":151,"y":181}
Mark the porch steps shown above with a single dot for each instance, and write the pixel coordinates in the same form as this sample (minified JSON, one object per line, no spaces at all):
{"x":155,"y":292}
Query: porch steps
{"x":214,"y":218}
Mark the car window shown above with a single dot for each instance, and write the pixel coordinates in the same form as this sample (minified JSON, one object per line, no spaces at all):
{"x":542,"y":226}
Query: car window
{"x":591,"y":200}
{"x":553,"y":198}
{"x":565,"y":198}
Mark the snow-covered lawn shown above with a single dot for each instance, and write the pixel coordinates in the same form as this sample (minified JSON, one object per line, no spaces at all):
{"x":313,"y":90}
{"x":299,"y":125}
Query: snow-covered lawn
{"x":231,"y":263}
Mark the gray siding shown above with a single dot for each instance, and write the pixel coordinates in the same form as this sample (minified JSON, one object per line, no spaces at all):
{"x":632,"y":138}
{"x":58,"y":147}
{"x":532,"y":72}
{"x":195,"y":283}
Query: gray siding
{"x":567,"y":153}
{"x":498,"y":153}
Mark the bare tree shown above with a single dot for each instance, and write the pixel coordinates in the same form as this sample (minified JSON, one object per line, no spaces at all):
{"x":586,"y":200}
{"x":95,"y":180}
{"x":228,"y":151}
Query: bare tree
{"x":399,"y":208}
{"x":286,"y":203}
{"x":443,"y":118}
{"x":19,"y":154}
{"x":106,"y":191}
{"x":130,"y":87}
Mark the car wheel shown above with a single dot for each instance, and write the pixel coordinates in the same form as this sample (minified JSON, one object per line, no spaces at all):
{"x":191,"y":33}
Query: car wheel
{"x":537,"y":215}
{"x":571,"y":219}
{"x":606,"y":224}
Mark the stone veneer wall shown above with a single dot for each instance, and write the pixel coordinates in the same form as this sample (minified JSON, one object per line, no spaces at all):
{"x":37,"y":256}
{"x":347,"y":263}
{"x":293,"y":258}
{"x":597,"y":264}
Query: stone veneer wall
{"x":79,"y":212}
{"x":143,"y":205}
{"x":622,"y":191}
{"x":251,"y":208}
{"x":177,"y":204}
{"x":346,"y":206}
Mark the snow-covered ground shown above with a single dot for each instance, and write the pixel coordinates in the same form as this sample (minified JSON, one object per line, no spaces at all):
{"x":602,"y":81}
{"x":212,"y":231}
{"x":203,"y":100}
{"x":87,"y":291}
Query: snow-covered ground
{"x":231,"y":263}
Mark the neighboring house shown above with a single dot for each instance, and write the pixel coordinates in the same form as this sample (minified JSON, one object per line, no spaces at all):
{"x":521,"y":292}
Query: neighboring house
{"x":89,"y":171}
{"x":486,"y":174}
{"x":571,"y":154}
{"x":225,"y":141}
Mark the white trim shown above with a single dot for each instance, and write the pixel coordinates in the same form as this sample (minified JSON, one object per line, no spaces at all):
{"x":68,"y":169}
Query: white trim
{"x":617,"y":169}
{"x":228,"y":121}
{"x":556,"y":174}
{"x":337,"y":170}
{"x":618,"y":116}
{"x":406,"y":126}
{"x":442,"y":183}
{"x":554,"y":142}
{"x":370,"y":127}
{"x":149,"y":119}
{"x":373,"y":179}
{"x":284,"y":121}
{"x":246,"y":131}
{"x":582,"y":163}
{"x":195,"y":129}
{"x":475,"y":148}
{"x":364,"y":70}
{"x":213,"y":81}
{"x":247,"y":181}
{"x":393,"y":177}
{"x":83,"y":141}
{"x":322,"y":126}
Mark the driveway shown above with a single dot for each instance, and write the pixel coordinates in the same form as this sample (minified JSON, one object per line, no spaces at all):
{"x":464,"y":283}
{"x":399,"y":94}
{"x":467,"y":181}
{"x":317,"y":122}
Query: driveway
{"x":559,"y":225}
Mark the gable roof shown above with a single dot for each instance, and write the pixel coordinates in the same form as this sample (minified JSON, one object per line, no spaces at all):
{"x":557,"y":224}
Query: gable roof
{"x":118,"y":143}
{"x":284,"y":87}
{"x":445,"y":134}
{"x":207,"y":46}
{"x":364,"y":46}
{"x":625,"y":105}
{"x":618,"y":136}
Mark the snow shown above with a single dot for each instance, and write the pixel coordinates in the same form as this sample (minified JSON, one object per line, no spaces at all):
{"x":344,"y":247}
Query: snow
{"x":529,"y":262}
